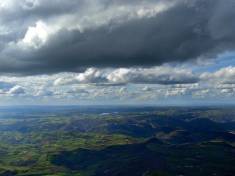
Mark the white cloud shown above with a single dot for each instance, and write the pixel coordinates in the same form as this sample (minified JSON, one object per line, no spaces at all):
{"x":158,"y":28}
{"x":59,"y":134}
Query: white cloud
{"x":156,"y":75}
{"x":16,"y":90}
{"x":224,"y":75}
{"x":91,"y":75}
{"x":37,"y":35}
{"x":65,"y":80}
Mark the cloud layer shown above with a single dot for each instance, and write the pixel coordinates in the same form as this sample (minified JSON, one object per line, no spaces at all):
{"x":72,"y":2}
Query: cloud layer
{"x":116,"y":50}
{"x":158,"y":75}
{"x":41,"y":37}
{"x":155,"y":84}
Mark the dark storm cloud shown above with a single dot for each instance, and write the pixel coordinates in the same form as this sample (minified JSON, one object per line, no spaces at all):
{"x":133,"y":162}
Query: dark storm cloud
{"x":18,"y":15}
{"x":185,"y":31}
{"x":29,"y":9}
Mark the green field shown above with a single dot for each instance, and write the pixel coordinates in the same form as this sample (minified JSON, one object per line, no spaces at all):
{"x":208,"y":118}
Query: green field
{"x":157,"y":142}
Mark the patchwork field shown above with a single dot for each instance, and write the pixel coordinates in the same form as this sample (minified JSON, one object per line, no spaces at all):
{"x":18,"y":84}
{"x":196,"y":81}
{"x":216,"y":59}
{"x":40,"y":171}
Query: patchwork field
{"x":113,"y":141}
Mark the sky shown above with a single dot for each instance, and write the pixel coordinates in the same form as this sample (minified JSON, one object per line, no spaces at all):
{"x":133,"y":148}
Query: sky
{"x":157,"y":52}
